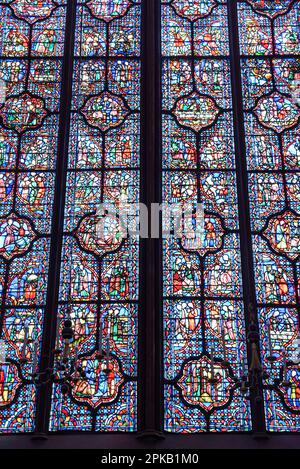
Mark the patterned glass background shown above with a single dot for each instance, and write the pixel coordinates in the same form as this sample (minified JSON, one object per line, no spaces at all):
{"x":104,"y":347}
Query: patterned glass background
{"x":203,"y":296}
{"x":203,"y":287}
{"x":99,"y":279}
{"x":31,"y":50}
{"x":269,"y":43}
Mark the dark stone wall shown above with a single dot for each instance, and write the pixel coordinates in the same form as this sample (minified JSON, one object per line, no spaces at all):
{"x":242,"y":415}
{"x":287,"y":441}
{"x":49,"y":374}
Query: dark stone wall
{"x":116,"y":441}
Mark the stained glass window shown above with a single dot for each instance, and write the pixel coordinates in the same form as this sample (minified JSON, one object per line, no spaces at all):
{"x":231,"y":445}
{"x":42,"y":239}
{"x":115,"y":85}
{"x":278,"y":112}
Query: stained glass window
{"x":99,"y":289}
{"x":203,"y":307}
{"x":99,"y":279}
{"x":31,"y":50}
{"x":269,"y":43}
{"x":203,"y":311}
{"x":222,"y":124}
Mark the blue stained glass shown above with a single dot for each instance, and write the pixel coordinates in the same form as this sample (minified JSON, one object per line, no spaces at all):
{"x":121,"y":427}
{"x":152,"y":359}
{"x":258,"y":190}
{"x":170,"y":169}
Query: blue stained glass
{"x":205,"y":343}
{"x":104,"y":159}
{"x":29,"y":123}
{"x":272,"y":134}
{"x":202,"y":289}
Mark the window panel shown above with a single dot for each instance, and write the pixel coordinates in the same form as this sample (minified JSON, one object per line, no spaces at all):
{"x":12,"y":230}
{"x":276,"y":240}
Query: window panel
{"x":28,"y":147}
{"x":99,"y":288}
{"x":202,"y":288}
{"x":272,"y":136}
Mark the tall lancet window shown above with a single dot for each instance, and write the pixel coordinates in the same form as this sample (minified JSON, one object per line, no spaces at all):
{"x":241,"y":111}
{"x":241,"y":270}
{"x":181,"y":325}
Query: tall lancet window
{"x":99,"y":274}
{"x":187,"y":103}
